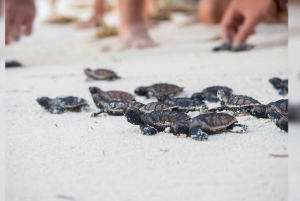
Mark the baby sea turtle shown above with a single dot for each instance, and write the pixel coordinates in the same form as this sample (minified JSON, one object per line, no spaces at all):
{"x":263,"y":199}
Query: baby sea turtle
{"x":276,"y":111}
{"x":101,"y":74}
{"x":112,"y":107}
{"x":62,"y":104}
{"x":160,"y":88}
{"x":12,"y":64}
{"x":206,"y":124}
{"x":154,"y":122}
{"x":110,"y":95}
{"x":238,"y":103}
{"x":227,"y":46}
{"x":281,"y":85}
{"x":184,"y":104}
{"x":210,"y":93}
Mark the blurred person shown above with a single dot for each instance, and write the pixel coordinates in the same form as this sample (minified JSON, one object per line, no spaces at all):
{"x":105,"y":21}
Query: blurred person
{"x":133,"y":32}
{"x":19,"y":16}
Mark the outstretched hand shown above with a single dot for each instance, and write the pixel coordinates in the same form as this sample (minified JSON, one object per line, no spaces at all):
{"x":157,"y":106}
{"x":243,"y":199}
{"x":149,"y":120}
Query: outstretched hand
{"x":242,"y":16}
{"x":19,"y":16}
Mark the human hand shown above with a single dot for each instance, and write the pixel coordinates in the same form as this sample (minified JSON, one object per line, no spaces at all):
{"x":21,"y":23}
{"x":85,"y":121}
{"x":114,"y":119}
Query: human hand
{"x":247,"y":14}
{"x":19,"y":16}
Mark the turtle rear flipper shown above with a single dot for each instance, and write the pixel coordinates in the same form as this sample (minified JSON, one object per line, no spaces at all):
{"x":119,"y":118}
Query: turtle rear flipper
{"x":148,"y":130}
{"x":197,"y":134}
{"x":237,"y":128}
{"x":54,"y":109}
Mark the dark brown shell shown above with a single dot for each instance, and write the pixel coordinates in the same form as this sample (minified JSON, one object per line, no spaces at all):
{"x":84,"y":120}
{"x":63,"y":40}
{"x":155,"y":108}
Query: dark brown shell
{"x":69,"y":102}
{"x":165,"y":118}
{"x":280,"y":106}
{"x":213,"y":121}
{"x":157,"y":106}
{"x":164,"y":88}
{"x":119,"y":95}
{"x":101,"y":74}
{"x":241,"y":101}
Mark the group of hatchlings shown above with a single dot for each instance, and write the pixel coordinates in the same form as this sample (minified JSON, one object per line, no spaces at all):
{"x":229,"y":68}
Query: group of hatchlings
{"x":169,"y":114}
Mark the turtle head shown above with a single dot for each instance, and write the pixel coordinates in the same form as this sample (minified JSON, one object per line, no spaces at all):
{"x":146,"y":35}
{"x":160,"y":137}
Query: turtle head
{"x":95,"y":90}
{"x":43,"y":101}
{"x":259,"y":111}
{"x":87,"y":71}
{"x":141,"y":91}
{"x":276,"y":82}
{"x":133,"y":115}
{"x":198,"y":96}
{"x":161,"y":97}
{"x":180,"y":128}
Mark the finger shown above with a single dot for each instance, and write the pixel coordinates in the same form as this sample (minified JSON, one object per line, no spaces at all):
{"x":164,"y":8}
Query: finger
{"x":229,"y":24}
{"x":28,"y":26}
{"x":16,"y":30}
{"x":246,"y":30}
{"x":9,"y":22}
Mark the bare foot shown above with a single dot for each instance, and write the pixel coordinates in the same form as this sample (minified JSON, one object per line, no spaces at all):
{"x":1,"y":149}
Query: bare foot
{"x":136,"y":37}
{"x":93,"y":22}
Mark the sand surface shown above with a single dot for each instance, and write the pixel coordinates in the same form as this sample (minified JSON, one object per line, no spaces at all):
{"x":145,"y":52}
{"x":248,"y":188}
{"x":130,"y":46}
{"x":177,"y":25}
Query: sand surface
{"x":74,"y":157}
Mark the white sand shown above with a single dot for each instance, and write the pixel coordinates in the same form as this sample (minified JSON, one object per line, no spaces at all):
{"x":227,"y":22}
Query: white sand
{"x":89,"y":159}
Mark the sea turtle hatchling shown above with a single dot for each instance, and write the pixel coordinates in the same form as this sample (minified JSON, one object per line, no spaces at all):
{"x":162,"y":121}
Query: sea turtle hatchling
{"x":62,"y":104}
{"x":155,"y":121}
{"x":275,"y":111}
{"x":160,"y":88}
{"x":239,"y":104}
{"x":210,"y":93}
{"x":101,"y":74}
{"x":280,"y":85}
{"x":183,"y":104}
{"x":227,"y":46}
{"x":199,"y":127}
{"x":110,"y":95}
{"x":113,"y":107}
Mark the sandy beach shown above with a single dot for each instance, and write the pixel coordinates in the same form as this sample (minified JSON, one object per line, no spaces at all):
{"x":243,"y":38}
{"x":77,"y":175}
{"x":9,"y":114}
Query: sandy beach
{"x":75,"y":157}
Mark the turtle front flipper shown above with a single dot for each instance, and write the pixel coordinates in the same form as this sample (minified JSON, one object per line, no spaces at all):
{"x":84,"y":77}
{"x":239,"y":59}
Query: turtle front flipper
{"x":197,"y":134}
{"x":148,"y":130}
{"x":241,"y":111}
{"x":101,"y":111}
{"x":283,"y":90}
{"x":237,"y":128}
{"x":54,"y":109}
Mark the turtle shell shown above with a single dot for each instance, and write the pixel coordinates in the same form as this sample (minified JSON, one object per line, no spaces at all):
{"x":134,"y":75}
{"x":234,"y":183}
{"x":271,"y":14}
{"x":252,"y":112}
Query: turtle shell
{"x":280,"y":106}
{"x":101,"y":74}
{"x":165,"y":118}
{"x":162,"y":88}
{"x":157,"y":106}
{"x":110,"y":95}
{"x":212,"y":121}
{"x":185,"y":102}
{"x":240,"y":101}
{"x":210,"y":93}
{"x":118,"y":95}
{"x":69,"y":102}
